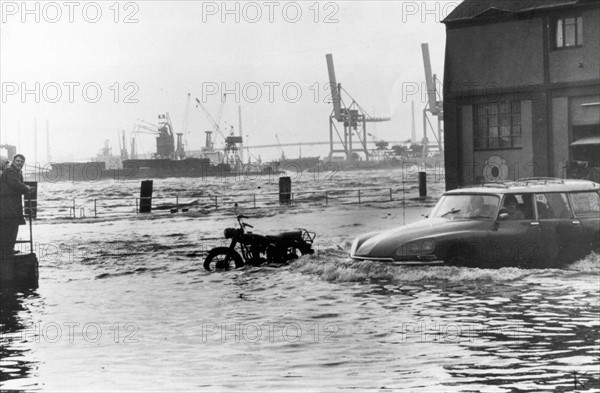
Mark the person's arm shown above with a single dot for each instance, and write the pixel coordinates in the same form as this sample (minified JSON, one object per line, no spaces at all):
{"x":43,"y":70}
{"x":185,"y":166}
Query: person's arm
{"x":14,"y":181}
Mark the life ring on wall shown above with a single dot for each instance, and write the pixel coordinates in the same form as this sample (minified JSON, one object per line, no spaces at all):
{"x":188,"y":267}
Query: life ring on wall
{"x":495,"y":169}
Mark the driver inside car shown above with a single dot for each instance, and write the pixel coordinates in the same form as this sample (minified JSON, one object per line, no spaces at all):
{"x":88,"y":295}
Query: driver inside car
{"x":476,"y":206}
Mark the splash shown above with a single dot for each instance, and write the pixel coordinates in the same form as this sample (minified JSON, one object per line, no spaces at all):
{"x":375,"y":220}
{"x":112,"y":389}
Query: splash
{"x":589,"y":264}
{"x":334,"y":266}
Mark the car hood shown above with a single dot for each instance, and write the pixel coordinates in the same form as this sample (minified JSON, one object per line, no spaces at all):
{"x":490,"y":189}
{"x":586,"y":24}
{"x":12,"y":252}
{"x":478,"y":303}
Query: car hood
{"x":384,"y":244}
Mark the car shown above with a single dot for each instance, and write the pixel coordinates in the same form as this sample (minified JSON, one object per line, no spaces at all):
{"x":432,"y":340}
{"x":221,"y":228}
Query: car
{"x":532,"y":222}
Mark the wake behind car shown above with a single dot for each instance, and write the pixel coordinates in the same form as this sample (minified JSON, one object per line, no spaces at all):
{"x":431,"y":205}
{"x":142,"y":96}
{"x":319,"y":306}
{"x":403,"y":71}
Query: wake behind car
{"x":533,"y":222}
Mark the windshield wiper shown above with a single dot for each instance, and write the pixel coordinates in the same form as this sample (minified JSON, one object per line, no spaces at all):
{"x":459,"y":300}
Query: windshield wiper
{"x":452,"y":211}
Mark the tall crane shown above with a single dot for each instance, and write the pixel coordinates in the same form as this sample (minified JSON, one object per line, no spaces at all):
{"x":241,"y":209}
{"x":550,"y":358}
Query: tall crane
{"x":231,"y":150}
{"x":213,"y":122}
{"x":435,"y":107}
{"x":186,"y":117}
{"x":165,"y":143}
{"x":353,"y":118}
{"x":280,"y":148}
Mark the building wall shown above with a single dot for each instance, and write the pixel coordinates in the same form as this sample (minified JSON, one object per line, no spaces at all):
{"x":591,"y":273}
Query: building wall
{"x":579,"y":63}
{"x":517,"y":162}
{"x":502,"y":55}
{"x":516,"y":60}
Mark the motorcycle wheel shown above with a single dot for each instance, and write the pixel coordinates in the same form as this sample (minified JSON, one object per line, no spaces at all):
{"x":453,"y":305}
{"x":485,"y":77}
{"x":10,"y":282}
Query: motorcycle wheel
{"x":222,"y":258}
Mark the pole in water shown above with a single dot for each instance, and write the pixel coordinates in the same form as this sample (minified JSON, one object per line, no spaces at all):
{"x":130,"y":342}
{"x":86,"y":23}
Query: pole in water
{"x":146,"y":196}
{"x":285,"y":190}
{"x":422,"y":184}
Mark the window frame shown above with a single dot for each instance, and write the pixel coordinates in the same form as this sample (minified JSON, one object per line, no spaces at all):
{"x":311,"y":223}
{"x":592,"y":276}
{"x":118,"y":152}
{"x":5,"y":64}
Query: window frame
{"x":576,"y":214}
{"x":490,"y":122}
{"x":559,"y":25}
{"x":567,"y":200}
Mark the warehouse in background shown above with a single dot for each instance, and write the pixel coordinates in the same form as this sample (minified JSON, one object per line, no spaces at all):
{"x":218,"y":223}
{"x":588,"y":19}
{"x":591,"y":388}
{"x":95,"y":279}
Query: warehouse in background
{"x":522,"y":90}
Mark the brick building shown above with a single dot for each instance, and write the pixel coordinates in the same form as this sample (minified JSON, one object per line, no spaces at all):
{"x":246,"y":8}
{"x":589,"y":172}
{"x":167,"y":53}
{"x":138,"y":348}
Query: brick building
{"x":522,"y":90}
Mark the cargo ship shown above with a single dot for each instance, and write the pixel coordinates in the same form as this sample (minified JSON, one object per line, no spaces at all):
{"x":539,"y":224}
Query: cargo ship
{"x":168,"y":161}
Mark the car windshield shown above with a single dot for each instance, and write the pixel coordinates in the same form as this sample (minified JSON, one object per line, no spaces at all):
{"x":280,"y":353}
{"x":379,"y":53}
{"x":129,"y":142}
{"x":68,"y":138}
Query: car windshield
{"x":467,"y":206}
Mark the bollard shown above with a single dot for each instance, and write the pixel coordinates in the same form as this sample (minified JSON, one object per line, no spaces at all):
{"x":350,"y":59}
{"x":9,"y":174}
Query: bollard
{"x":422,"y":184}
{"x":285,"y":189}
{"x":146,"y":196}
{"x":31,"y":201}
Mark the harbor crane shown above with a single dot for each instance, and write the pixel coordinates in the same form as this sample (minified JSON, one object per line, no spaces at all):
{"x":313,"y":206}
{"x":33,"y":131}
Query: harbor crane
{"x":353,"y":118}
{"x":433,"y":106}
{"x":231,"y":150}
{"x":280,"y":148}
{"x":165,"y":143}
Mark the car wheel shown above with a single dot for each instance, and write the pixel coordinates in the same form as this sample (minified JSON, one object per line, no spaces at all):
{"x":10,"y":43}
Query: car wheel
{"x":461,"y":255}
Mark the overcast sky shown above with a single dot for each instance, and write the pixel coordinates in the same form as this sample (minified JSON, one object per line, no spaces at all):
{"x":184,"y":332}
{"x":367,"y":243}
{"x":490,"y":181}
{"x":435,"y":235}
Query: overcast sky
{"x":270,"y":57}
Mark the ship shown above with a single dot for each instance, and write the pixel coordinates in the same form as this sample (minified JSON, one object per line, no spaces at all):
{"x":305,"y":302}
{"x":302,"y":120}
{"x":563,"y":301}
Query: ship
{"x":168,"y":161}
{"x":296,"y":164}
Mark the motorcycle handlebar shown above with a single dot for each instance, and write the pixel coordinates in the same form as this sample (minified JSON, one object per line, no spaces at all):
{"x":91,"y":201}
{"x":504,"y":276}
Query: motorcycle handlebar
{"x":248,"y":225}
{"x":241,"y":216}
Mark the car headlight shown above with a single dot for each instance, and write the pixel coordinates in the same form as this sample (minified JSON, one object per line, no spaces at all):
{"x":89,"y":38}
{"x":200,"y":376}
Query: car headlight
{"x":419,"y":247}
{"x":354,"y":247}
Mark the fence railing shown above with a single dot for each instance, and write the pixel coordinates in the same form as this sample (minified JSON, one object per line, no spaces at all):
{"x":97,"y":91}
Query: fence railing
{"x":96,"y":207}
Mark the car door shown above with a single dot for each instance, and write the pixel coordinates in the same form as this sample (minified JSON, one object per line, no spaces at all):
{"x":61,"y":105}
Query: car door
{"x":586,"y":208}
{"x":560,"y":232}
{"x":519,"y":239}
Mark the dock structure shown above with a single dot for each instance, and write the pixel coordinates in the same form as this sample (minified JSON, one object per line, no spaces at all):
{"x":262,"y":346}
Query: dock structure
{"x":20,"y":271}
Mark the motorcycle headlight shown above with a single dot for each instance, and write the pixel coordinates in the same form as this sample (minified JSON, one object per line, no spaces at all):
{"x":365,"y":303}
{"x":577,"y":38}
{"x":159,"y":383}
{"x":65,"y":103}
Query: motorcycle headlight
{"x":230,"y":233}
{"x":420,"y":247}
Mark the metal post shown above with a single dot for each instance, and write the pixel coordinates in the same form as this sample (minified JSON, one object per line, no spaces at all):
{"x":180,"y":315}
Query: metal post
{"x":216,"y":204}
{"x":359,"y":197}
{"x":391,"y":199}
{"x":254,"y":197}
{"x":422,"y":184}
{"x":146,"y":196}
{"x":326,"y":198}
{"x":95,"y":210}
{"x":30,"y":234}
{"x":285,"y":190}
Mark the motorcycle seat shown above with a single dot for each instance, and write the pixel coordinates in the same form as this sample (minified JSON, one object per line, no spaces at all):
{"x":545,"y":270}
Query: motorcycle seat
{"x":287,"y":236}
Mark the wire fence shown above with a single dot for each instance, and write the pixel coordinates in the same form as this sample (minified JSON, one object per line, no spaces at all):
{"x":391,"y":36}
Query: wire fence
{"x":106,"y":207}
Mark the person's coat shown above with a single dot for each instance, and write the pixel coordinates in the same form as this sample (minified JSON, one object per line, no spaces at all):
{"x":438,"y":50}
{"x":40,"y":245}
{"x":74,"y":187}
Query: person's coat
{"x":11,"y":190}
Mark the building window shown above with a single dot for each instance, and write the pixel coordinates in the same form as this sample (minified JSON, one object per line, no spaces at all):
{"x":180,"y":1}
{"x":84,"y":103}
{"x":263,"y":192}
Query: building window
{"x":569,"y":32}
{"x":497,"y":125}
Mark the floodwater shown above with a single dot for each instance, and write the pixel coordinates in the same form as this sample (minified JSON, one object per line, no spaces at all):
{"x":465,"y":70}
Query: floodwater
{"x":124,"y":304}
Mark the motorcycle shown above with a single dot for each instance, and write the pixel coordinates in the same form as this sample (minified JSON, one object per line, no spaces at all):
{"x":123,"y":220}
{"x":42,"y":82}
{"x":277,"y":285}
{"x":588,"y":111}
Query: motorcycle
{"x":248,"y":248}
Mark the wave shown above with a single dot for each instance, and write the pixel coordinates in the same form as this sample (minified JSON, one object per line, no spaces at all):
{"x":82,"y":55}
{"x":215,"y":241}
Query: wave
{"x":334,"y":265}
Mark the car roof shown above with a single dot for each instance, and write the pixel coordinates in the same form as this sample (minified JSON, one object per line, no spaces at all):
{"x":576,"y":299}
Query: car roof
{"x":529,"y":185}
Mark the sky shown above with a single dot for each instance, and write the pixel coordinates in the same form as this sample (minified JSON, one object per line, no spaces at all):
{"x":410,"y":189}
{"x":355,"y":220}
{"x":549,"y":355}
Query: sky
{"x":84,"y":71}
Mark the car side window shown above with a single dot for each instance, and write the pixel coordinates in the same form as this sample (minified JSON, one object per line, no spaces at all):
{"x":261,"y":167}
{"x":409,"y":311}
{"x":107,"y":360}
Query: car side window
{"x":553,"y":205}
{"x":585,"y":203}
{"x":518,"y":207}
